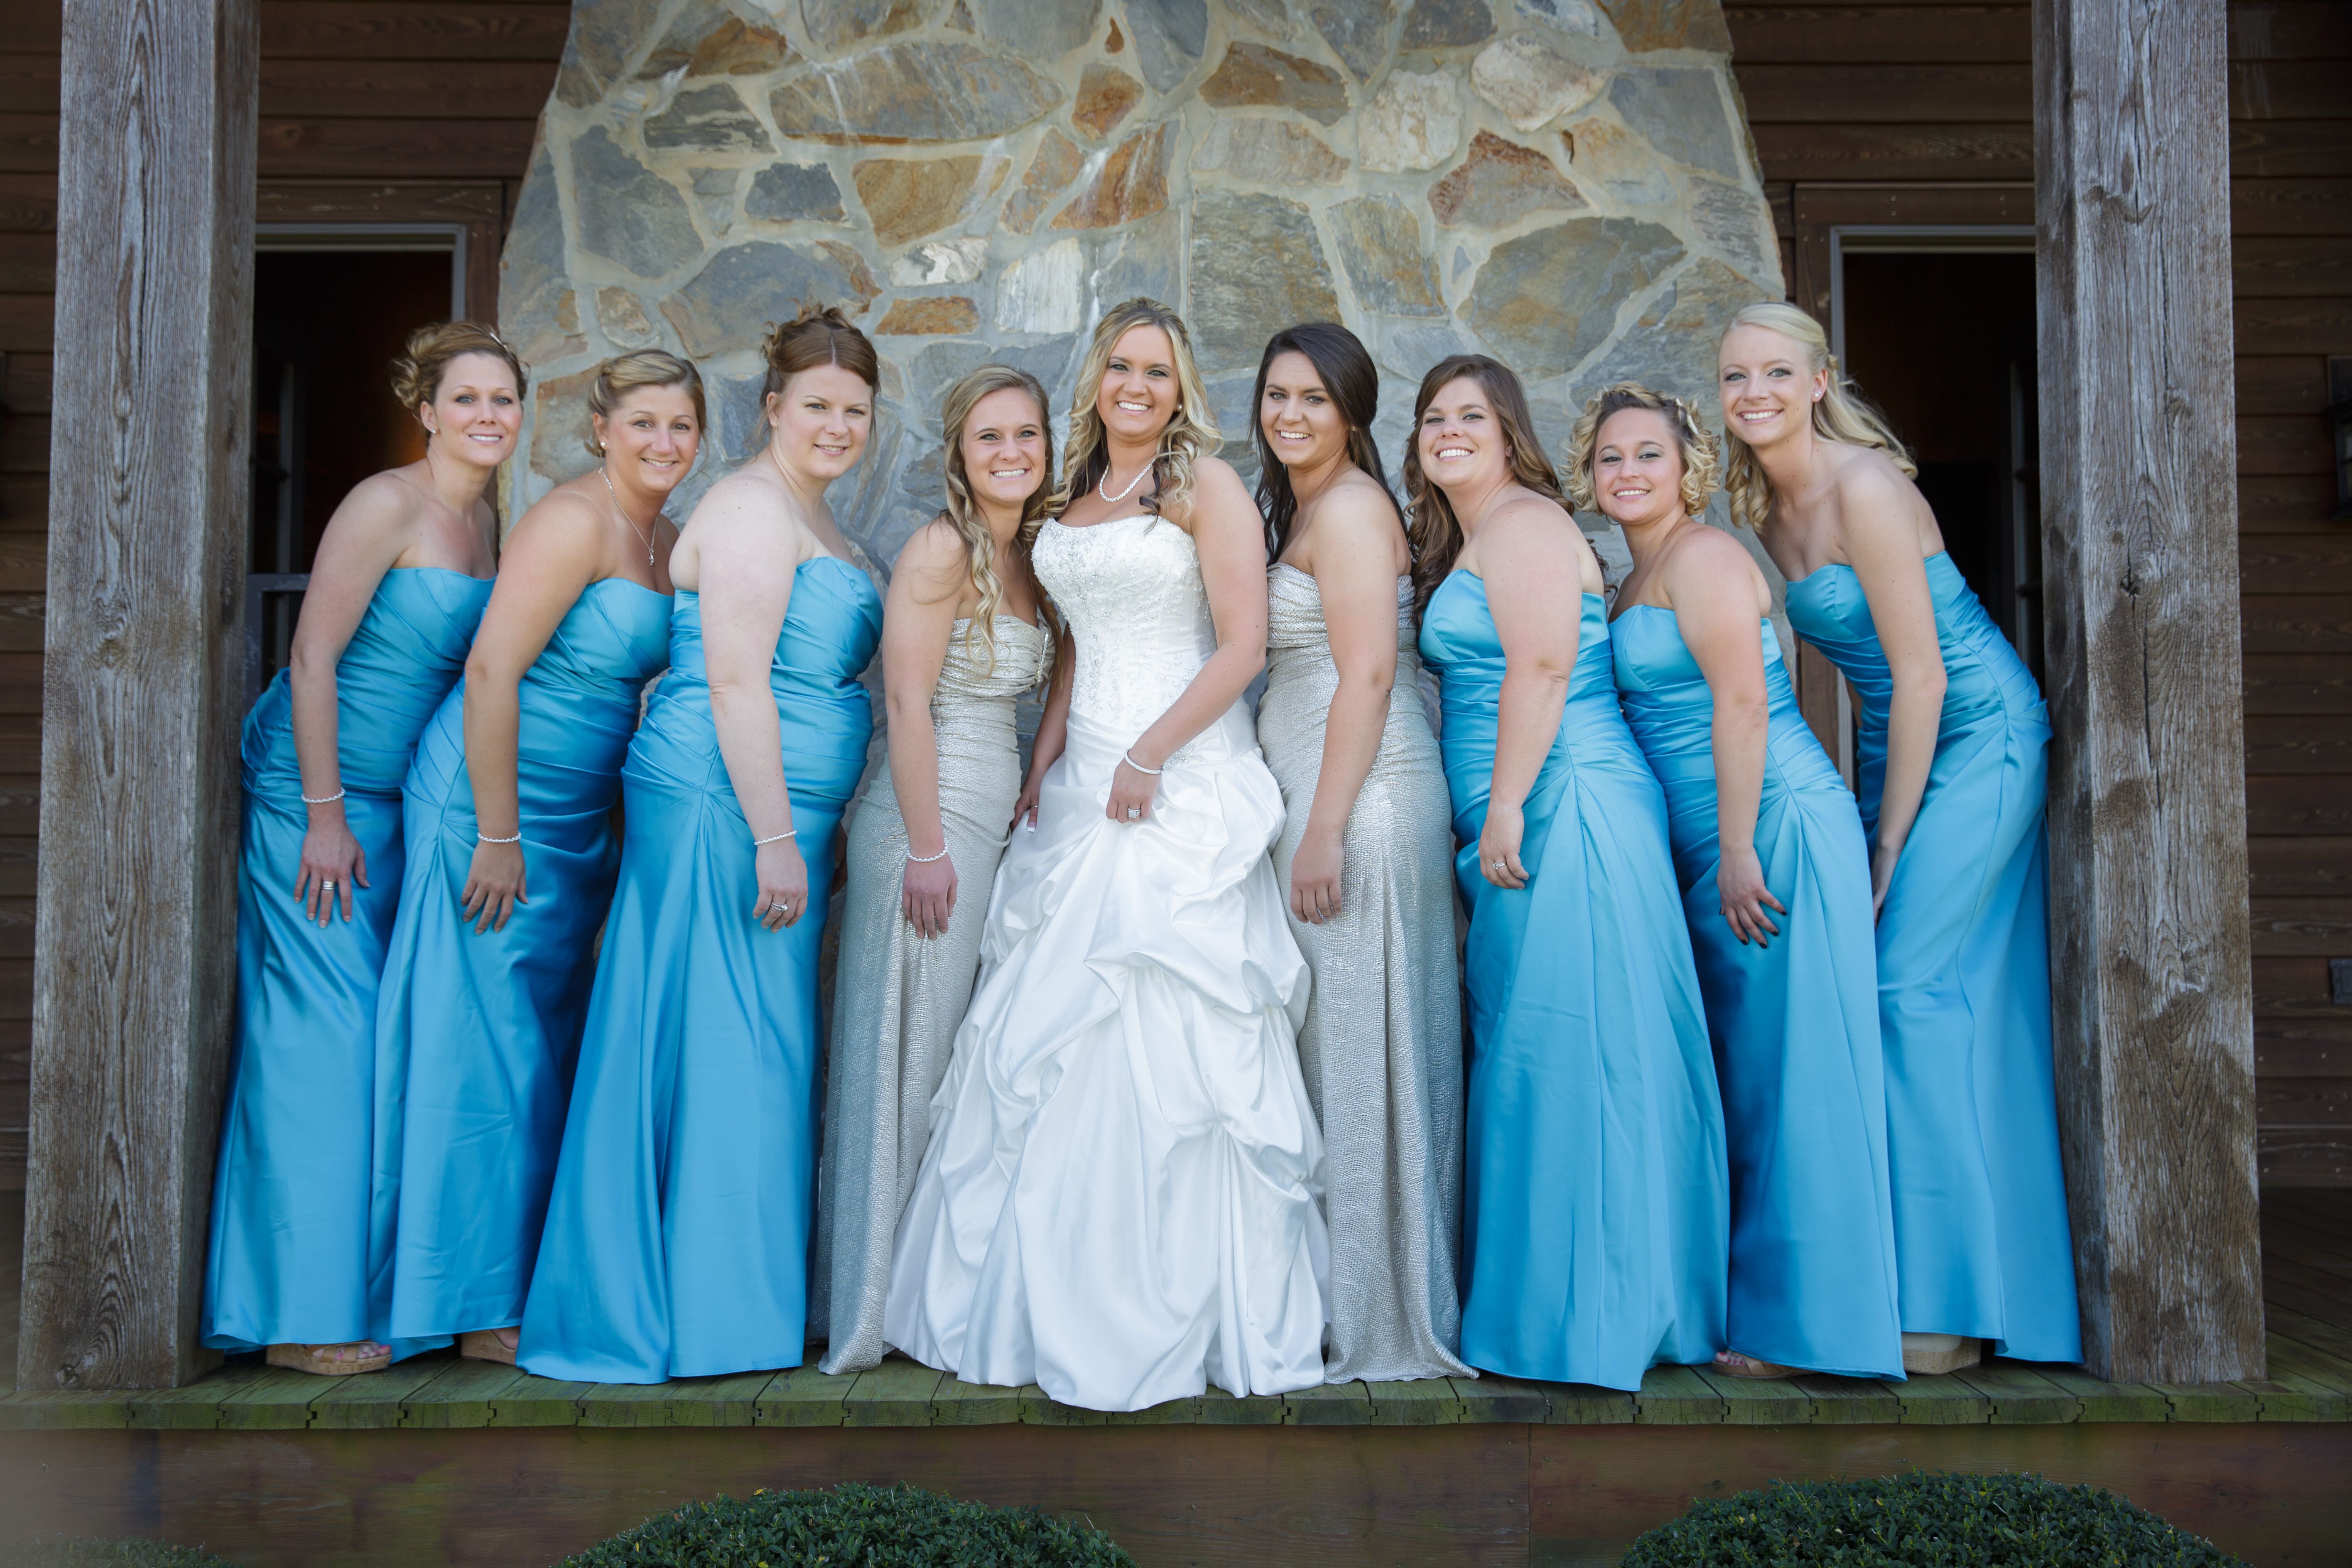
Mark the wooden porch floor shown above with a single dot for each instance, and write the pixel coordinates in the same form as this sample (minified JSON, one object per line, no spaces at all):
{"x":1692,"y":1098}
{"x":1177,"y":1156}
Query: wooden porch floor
{"x":2307,"y":1268}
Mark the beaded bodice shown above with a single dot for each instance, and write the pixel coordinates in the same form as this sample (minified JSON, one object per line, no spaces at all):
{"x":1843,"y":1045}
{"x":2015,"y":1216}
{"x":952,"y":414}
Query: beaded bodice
{"x":1130,"y":589}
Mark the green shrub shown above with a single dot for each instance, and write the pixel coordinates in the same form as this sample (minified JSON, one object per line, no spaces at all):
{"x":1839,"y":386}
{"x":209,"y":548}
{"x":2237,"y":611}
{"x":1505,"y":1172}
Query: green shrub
{"x":869,"y":1526}
{"x":87,"y":1553}
{"x":1924,"y":1520}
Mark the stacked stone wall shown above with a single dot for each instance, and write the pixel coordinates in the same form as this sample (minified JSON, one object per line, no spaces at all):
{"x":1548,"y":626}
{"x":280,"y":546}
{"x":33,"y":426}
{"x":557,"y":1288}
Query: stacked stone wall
{"x":1568,"y":184}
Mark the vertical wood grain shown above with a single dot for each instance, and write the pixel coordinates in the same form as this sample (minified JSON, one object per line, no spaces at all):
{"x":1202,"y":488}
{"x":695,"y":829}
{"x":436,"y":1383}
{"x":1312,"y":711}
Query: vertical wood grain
{"x":134,"y":945}
{"x":2148,"y":816}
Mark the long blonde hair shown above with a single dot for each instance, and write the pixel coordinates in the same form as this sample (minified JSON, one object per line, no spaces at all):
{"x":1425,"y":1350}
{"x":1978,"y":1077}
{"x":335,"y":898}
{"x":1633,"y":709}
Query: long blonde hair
{"x":963,"y":514}
{"x":1191,"y":433}
{"x":1842,"y":414}
{"x":1700,"y":455}
{"x":1430,"y":527}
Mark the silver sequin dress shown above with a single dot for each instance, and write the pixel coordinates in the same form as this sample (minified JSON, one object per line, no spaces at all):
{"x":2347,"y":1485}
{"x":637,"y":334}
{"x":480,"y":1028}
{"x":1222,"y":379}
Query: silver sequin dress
{"x":1381,"y":1047}
{"x":898,"y":997}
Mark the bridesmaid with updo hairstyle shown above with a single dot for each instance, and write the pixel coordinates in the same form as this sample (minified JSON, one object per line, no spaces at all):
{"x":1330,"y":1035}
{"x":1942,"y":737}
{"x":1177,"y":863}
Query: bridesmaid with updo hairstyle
{"x":1596,"y":1224}
{"x":676,"y":1241}
{"x":1775,"y":889}
{"x":513,"y":858}
{"x":1952,"y":743}
{"x":402,"y":574}
{"x":1363,"y":859}
{"x":962,"y":637}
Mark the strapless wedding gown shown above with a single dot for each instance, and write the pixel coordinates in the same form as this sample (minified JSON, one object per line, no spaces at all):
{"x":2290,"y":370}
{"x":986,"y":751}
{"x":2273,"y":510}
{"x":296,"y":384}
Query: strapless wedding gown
{"x":1118,"y":1199}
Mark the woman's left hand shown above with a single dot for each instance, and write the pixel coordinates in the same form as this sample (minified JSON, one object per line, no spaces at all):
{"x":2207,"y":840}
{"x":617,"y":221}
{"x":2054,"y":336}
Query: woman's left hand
{"x":1131,"y":793}
{"x":1315,"y":878}
{"x":1881,"y":876}
{"x":1499,"y":846}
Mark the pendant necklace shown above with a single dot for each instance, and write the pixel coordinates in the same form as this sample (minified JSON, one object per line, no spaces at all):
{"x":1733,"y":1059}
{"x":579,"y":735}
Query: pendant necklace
{"x":643,"y":538}
{"x":1114,"y":499}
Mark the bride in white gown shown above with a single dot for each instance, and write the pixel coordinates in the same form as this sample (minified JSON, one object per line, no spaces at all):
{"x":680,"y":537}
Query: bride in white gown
{"x":1119,"y":1200}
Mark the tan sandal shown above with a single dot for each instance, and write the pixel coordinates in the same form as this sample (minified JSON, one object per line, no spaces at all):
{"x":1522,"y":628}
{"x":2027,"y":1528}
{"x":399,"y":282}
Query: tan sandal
{"x":484,"y":1344}
{"x":1927,"y":1355}
{"x":320,"y":1359}
{"x":1749,"y":1366}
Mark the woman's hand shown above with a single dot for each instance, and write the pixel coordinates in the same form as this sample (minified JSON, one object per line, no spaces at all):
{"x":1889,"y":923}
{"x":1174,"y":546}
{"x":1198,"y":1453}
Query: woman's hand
{"x":928,"y":898}
{"x":1739,"y":883}
{"x":332,"y":862}
{"x":783,"y":885}
{"x":1882,"y":875}
{"x":1499,"y":846}
{"x":494,"y":886}
{"x":1131,"y":793}
{"x":1315,"y":878}
{"x":1025,"y":809}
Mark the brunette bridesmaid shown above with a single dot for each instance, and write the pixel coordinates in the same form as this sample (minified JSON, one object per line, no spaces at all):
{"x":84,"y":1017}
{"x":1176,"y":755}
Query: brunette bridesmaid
{"x":1363,"y":859}
{"x":1952,"y":742}
{"x":1775,"y":889}
{"x":509,"y":822}
{"x":676,"y":1242}
{"x":402,"y":574}
{"x":961,"y":639}
{"x":1597,"y":1224}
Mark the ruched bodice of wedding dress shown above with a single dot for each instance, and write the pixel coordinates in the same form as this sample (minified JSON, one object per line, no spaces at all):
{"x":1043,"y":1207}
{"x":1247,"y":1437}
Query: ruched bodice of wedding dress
{"x":1117,"y":1203}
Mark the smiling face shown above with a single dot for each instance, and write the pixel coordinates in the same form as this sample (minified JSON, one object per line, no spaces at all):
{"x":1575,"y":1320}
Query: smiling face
{"x":650,"y":439}
{"x":1461,"y":442}
{"x":1301,"y":420}
{"x":821,"y":420}
{"x":476,"y":412}
{"x":1002,"y":448}
{"x":1138,"y":395}
{"x":1767,"y":385}
{"x":1637,"y":468}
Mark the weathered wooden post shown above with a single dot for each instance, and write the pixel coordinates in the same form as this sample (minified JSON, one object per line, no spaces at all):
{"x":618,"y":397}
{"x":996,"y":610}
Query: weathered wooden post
{"x":2147,"y":819}
{"x":134,"y":959}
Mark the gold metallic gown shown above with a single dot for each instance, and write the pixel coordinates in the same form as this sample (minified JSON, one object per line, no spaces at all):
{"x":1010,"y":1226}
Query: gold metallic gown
{"x":897,"y":997}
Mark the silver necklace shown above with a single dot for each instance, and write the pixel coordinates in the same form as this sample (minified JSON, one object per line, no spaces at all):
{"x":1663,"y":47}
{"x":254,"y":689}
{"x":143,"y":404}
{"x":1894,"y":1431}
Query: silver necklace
{"x":643,"y":537}
{"x":1114,"y":499}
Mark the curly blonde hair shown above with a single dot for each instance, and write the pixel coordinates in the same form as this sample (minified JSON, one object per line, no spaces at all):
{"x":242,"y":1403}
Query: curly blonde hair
{"x":1190,"y":433}
{"x":417,"y":373}
{"x":1702,"y":456}
{"x":963,"y":514}
{"x":1842,"y":414}
{"x":1430,"y":527}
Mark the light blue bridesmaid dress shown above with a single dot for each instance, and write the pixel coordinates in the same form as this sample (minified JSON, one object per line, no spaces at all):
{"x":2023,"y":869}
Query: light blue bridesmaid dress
{"x":676,"y":1241}
{"x":1597,"y":1197}
{"x":1795,"y":1023}
{"x":289,"y":1260}
{"x":475,"y":1031}
{"x":1980,"y":1225}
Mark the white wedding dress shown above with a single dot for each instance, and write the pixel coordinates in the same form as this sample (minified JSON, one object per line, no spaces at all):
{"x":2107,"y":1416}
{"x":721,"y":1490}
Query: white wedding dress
{"x":1118,"y":1202}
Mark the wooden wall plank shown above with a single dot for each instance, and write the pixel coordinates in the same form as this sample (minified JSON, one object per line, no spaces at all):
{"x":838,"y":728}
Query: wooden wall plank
{"x":133,"y":951}
{"x":1880,"y":35}
{"x":2307,"y":206}
{"x":2297,"y":804}
{"x":413,"y":30}
{"x":2267,"y":266}
{"x":2319,"y":561}
{"x":1896,"y":152}
{"x":1812,"y":92}
{"x":2263,"y":148}
{"x":2288,"y":90}
{"x":2305,"y":744}
{"x":2302,"y":325}
{"x":402,"y":89}
{"x":442,"y":149}
{"x":2309,"y":867}
{"x":2291,"y":30}
{"x":2148,"y":806}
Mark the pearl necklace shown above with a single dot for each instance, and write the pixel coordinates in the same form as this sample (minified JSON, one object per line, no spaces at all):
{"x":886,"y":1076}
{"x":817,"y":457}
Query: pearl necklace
{"x":1114,"y":499}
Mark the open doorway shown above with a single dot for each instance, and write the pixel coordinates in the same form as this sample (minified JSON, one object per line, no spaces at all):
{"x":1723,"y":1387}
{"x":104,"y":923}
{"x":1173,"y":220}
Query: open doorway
{"x":1938,"y":330}
{"x":332,"y":305}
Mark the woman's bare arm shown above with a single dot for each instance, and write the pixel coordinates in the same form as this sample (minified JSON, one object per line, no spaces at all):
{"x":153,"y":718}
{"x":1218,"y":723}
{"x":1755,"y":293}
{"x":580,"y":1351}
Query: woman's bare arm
{"x":918,"y":619}
{"x":1878,"y":528}
{"x":745,"y":567}
{"x":1713,"y":587}
{"x":1353,"y":556}
{"x":1532,"y":561}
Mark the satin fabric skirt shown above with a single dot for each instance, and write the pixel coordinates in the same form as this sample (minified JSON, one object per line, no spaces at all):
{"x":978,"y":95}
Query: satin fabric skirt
{"x":1118,"y":1200}
{"x":676,"y":1242}
{"x":289,"y":1256}
{"x":477,"y":1030}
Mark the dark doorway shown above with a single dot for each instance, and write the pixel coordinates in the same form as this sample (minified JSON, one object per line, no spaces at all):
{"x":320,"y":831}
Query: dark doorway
{"x":326,"y":327}
{"x":1944,"y":344}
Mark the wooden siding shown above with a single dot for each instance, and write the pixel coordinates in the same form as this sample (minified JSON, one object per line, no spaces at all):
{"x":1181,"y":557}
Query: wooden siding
{"x":1874,"y":112}
{"x":396,"y":109}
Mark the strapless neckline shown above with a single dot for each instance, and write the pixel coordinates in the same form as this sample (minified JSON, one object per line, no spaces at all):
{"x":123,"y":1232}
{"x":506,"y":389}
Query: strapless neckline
{"x":445,"y":571}
{"x":1844,"y":566}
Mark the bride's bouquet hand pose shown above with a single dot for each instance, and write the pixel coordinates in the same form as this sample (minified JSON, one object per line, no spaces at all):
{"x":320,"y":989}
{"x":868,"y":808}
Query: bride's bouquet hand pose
{"x":1118,"y":1199}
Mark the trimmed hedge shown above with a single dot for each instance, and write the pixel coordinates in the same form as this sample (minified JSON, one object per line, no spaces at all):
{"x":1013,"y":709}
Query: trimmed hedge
{"x":1925,"y":1519}
{"x":870,"y":1527}
{"x":90,"y":1553}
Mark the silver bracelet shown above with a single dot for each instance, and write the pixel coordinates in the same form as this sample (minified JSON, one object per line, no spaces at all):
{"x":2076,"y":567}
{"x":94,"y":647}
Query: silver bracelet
{"x":328,"y":800}
{"x":778,"y":838}
{"x":926,"y":860}
{"x":481,"y":838}
{"x":1127,"y":756}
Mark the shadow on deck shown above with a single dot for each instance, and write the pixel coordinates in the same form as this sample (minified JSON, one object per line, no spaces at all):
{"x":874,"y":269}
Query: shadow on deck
{"x":443,"y":1460}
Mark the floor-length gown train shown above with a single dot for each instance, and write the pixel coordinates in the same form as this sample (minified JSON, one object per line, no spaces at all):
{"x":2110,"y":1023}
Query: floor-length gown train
{"x":1117,"y":1203}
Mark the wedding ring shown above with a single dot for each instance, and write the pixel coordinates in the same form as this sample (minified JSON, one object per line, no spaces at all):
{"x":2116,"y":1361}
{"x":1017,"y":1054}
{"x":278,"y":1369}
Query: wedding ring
{"x":326,"y":883}
{"x":1133,"y":812}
